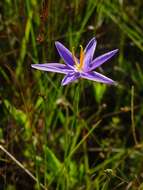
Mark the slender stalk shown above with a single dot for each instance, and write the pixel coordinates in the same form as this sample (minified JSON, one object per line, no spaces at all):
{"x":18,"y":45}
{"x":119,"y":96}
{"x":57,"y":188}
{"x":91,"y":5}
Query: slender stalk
{"x":21,"y":166}
{"x":83,"y":139}
{"x":132,"y":116}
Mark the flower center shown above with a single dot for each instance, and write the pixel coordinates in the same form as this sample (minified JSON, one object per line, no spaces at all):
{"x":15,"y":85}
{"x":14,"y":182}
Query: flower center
{"x":79,"y":64}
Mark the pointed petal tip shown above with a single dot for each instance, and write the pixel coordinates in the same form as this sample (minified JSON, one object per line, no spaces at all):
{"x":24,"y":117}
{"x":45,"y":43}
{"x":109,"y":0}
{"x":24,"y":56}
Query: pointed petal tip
{"x":115,"y":83}
{"x":57,"y":43}
{"x":91,"y":43}
{"x":34,"y":65}
{"x":112,"y":52}
{"x":112,"y":82}
{"x":93,"y":39}
{"x":63,"y":84}
{"x":115,"y":50}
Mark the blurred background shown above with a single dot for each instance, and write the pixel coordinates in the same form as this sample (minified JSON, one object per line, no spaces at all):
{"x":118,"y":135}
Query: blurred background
{"x":83,"y":136}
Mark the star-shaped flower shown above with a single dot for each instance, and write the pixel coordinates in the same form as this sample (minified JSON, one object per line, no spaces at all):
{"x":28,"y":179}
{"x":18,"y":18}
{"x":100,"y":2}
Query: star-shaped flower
{"x":83,"y":67}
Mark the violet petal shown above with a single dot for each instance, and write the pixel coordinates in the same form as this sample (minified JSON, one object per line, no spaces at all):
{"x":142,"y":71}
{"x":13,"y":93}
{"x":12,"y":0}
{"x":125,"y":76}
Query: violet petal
{"x":65,"y":54}
{"x":70,"y":77}
{"x":53,"y":67}
{"x":90,"y":44}
{"x":101,"y":59}
{"x":89,"y":53}
{"x":95,"y":76}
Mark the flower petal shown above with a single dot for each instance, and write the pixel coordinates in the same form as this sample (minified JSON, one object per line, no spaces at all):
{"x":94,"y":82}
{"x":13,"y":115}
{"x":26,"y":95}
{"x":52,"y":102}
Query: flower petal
{"x":89,"y":52}
{"x":53,"y":67}
{"x":97,"y":77}
{"x":91,"y":43}
{"x":65,"y":54}
{"x":101,"y":59}
{"x":70,"y":77}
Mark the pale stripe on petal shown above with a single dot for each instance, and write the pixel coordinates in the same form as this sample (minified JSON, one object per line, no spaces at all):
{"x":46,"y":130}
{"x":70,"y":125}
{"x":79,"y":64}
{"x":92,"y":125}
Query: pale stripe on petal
{"x":65,"y":54}
{"x":70,"y":77}
{"x":95,"y":76}
{"x":53,"y":67}
{"x":89,"y":53}
{"x":97,"y":62}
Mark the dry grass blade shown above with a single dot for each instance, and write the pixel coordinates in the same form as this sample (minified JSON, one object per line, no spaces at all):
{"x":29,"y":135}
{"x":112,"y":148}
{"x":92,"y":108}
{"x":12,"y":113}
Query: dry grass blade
{"x":21,"y":166}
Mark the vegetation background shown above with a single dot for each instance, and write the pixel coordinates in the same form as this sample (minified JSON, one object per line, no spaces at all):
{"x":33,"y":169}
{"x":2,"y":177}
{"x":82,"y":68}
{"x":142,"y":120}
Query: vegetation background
{"x":85,"y":136}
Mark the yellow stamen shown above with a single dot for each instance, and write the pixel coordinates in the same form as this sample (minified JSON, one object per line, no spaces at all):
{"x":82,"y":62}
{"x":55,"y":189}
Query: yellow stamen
{"x":73,"y":54}
{"x":79,"y":64}
{"x":81,"y":56}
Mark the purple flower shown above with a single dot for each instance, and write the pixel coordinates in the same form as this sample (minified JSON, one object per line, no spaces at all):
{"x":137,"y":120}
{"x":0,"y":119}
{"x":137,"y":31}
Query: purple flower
{"x":83,"y":67}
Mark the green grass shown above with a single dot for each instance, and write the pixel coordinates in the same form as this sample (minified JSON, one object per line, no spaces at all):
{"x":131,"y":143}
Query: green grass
{"x":83,"y":136}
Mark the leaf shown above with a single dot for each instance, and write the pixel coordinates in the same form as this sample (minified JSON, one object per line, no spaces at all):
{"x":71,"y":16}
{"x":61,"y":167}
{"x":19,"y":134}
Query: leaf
{"x":53,"y":162}
{"x":19,"y":115}
{"x":99,"y":90}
